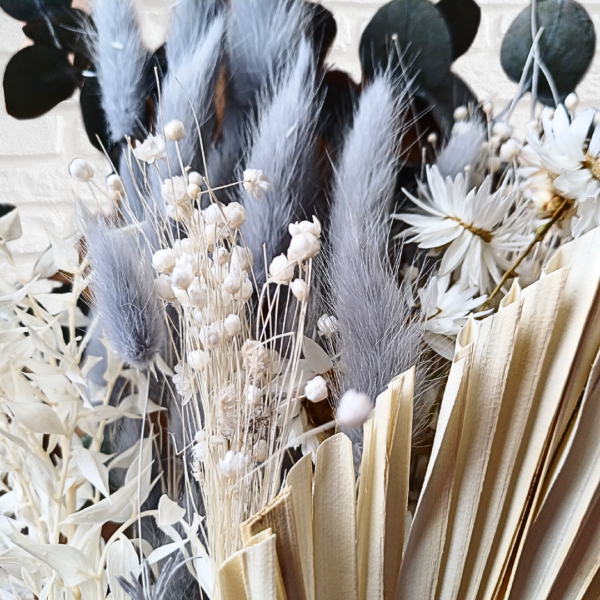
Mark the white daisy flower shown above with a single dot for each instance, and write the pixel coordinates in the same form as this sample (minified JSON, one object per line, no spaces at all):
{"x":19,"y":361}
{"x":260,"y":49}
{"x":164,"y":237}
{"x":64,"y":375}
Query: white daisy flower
{"x":151,"y":149}
{"x":479,"y":228}
{"x":562,"y":165}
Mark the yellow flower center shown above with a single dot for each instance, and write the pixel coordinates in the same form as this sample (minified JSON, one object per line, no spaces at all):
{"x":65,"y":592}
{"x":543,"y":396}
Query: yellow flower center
{"x":484,"y":234}
{"x":593,"y":166}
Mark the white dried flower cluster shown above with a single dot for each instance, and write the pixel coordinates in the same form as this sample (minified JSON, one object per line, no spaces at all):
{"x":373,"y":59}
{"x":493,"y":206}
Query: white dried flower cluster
{"x":256,"y":183}
{"x":151,"y":149}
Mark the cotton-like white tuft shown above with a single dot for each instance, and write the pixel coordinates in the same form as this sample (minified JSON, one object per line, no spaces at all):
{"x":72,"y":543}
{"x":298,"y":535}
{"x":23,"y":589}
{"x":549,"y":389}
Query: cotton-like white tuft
{"x":354,"y":409}
{"x":463,"y":149}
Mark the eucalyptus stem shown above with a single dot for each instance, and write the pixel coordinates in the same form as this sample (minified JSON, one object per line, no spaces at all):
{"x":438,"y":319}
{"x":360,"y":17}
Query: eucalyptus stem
{"x":539,"y":236}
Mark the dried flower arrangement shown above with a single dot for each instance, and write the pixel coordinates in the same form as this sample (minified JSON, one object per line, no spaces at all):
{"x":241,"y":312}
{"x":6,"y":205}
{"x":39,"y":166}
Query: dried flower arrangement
{"x":330,"y":341}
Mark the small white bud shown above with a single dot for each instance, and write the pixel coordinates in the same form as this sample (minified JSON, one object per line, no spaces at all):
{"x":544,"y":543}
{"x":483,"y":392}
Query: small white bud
{"x":223,"y":256}
{"x":299,"y":289}
{"x":81,"y":170}
{"x":571,"y":101}
{"x":174,"y":191}
{"x":233,"y":325}
{"x":211,"y":233}
{"x":432,"y":138}
{"x":256,"y":183}
{"x":182,"y":276}
{"x":306,"y":227}
{"x":193,"y":191}
{"x":184,"y":246}
{"x":253,"y":395}
{"x":509,"y":150}
{"x":281,"y":270}
{"x":354,"y":409}
{"x":210,"y":337}
{"x":163,"y":288}
{"x":233,"y":465}
{"x":232,"y":283}
{"x":487,"y":108}
{"x":246,"y":291}
{"x":303,"y":246}
{"x":502,"y":129}
{"x":235,"y":214}
{"x":198,"y":360}
{"x":115,"y":184}
{"x":198,"y":297}
{"x":175,"y":131}
{"x":164,"y":260}
{"x":213,"y":215}
{"x":328,"y":325}
{"x":261,"y":451}
{"x":195,"y":178}
{"x":461,"y":113}
{"x":242,"y":258}
{"x":153,"y":148}
{"x":316,"y":389}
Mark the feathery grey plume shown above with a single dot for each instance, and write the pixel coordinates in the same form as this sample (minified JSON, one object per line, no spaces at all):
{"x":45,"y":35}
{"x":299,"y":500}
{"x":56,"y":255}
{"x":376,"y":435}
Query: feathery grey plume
{"x":123,"y":289}
{"x":189,"y":22}
{"x":463,"y":149}
{"x":120,"y":58}
{"x":189,"y":87}
{"x":377,"y":339}
{"x":284,"y":147}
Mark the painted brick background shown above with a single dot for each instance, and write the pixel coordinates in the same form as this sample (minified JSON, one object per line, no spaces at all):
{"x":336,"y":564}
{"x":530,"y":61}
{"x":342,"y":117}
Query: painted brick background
{"x":34,"y":155}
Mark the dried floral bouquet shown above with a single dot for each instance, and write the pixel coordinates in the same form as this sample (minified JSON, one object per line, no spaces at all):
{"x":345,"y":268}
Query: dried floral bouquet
{"x":327,"y":340}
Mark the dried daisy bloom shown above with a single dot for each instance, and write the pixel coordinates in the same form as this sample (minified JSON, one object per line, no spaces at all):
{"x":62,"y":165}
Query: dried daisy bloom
{"x":256,"y":183}
{"x":151,"y":150}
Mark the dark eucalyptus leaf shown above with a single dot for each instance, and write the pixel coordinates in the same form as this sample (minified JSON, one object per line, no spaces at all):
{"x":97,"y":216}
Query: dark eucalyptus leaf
{"x":463,"y":18}
{"x":68,"y":28}
{"x":422,"y":36}
{"x":322,"y":30}
{"x":33,"y":10}
{"x":94,"y":117}
{"x":6,"y":208}
{"x":36,"y":79}
{"x":567,"y":45}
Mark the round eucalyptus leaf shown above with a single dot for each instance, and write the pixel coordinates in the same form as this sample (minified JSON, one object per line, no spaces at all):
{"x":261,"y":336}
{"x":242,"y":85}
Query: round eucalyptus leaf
{"x":422,"y":36}
{"x":322,"y":29}
{"x":462,"y":18}
{"x":67,"y":29}
{"x":33,"y":10}
{"x":36,"y":79}
{"x":94,"y":117}
{"x":566,"y":46}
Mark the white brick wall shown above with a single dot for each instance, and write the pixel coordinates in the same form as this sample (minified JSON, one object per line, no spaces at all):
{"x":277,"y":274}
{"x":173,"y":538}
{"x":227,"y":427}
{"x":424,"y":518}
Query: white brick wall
{"x":34,"y":155}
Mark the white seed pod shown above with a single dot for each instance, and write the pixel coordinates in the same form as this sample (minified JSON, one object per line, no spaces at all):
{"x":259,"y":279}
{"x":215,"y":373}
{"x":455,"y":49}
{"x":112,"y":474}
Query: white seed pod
{"x":354,"y":409}
{"x":198,"y":360}
{"x":175,"y":130}
{"x":571,"y":101}
{"x":233,"y":465}
{"x":233,"y":325}
{"x":210,"y":337}
{"x":253,"y":396}
{"x":502,"y":129}
{"x":198,"y":296}
{"x":182,"y":276}
{"x":188,"y":259}
{"x":432,"y":139}
{"x":115,"y":184}
{"x":303,"y":247}
{"x":174,"y":191}
{"x":211,"y":232}
{"x":179,"y":213}
{"x":232,"y":283}
{"x":222,"y":256}
{"x":193,"y":191}
{"x":261,"y":451}
{"x":461,"y":113}
{"x":235,"y":214}
{"x":164,"y":261}
{"x":256,"y":183}
{"x":162,"y":286}
{"x":494,"y":164}
{"x":246,"y":291}
{"x":313,"y":227}
{"x":509,"y":150}
{"x":316,"y":389}
{"x":299,"y":289}
{"x":241,"y":258}
{"x":328,"y":325}
{"x":195,"y":178}
{"x":281,"y":270}
{"x":487,"y":108}
{"x":213,"y":214}
{"x":81,"y":170}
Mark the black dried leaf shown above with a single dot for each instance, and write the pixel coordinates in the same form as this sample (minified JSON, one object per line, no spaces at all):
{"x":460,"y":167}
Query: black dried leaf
{"x":33,"y":10}
{"x":68,"y":29}
{"x":36,"y":79}
{"x":462,"y":18}
{"x":422,"y":36}
{"x":6,"y":208}
{"x":322,"y":30}
{"x":567,"y":45}
{"x":94,"y":117}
